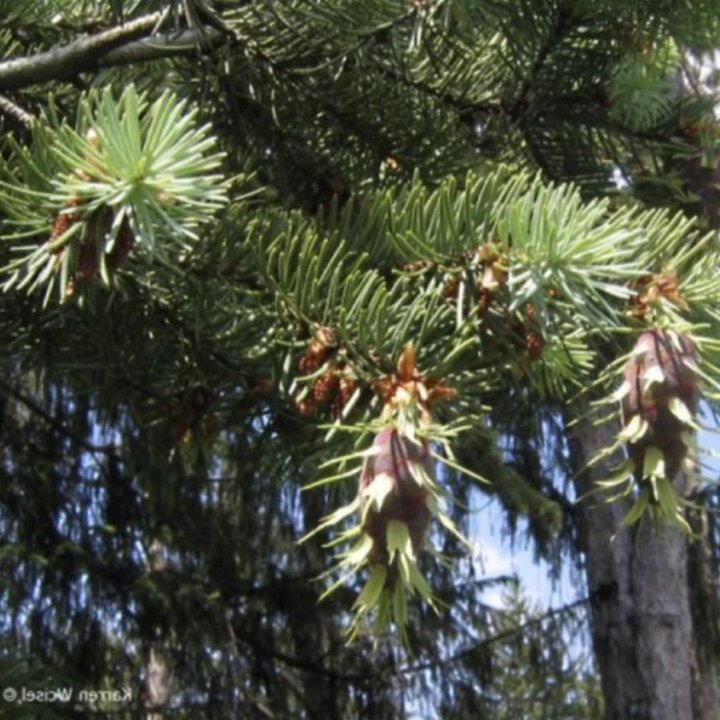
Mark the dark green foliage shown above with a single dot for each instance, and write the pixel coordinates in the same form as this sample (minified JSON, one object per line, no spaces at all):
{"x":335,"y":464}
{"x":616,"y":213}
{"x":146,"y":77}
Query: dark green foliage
{"x":390,"y":167}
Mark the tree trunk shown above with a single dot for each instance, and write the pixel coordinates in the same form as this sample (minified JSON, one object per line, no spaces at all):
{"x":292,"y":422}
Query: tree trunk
{"x":641,"y":600}
{"x":157,"y":679}
{"x":157,"y":673}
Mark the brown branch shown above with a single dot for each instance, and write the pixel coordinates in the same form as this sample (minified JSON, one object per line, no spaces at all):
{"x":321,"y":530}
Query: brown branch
{"x":81,"y":55}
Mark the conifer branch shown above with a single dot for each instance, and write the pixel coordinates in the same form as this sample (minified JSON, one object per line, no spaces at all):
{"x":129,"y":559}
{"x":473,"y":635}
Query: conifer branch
{"x":559,"y":29}
{"x":498,"y":637}
{"x":56,"y":425}
{"x":118,"y":46}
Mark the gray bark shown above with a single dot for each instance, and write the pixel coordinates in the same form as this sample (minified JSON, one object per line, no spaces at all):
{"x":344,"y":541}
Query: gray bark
{"x":641,"y":600}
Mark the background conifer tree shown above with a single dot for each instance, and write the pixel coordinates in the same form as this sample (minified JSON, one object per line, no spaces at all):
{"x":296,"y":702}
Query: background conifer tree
{"x":331,"y":270}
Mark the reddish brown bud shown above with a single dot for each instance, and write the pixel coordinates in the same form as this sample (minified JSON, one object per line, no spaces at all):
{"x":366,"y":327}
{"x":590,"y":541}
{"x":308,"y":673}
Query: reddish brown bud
{"x":346,"y":389}
{"x":310,"y":363}
{"x":324,"y":388}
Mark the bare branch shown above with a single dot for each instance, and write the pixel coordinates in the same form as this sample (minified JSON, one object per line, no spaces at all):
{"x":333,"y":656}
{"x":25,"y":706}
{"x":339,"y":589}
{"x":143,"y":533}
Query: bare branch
{"x":81,"y":55}
{"x":10,"y":108}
